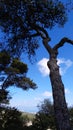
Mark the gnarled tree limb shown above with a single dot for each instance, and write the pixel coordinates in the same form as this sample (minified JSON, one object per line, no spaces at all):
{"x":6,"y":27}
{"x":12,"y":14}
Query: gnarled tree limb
{"x":62,"y":42}
{"x":46,"y":45}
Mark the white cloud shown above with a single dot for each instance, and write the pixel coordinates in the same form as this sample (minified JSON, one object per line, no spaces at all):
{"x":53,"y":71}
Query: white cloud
{"x":42,"y":64}
{"x":47,"y":94}
{"x":63,"y":63}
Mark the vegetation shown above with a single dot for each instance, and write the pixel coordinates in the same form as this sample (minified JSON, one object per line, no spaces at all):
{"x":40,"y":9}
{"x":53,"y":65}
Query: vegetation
{"x":13,"y":72}
{"x":45,"y":117}
{"x":71,"y":115}
{"x":24,"y":22}
{"x":10,"y":118}
{"x":30,"y":116}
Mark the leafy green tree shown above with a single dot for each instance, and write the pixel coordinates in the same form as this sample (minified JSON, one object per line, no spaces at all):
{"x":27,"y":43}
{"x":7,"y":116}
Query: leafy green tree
{"x":26,"y":21}
{"x":45,"y":117}
{"x":13,"y":72}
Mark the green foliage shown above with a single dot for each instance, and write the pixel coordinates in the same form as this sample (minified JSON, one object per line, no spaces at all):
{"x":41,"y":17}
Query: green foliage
{"x":24,"y":119}
{"x":10,"y":119}
{"x":20,"y":66}
{"x":21,"y":82}
{"x":30,"y":83}
{"x":30,"y":116}
{"x":16,"y":67}
{"x":14,"y":72}
{"x":45,"y":118}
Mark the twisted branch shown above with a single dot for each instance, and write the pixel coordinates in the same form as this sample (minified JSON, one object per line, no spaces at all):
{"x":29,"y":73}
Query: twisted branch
{"x":62,"y":42}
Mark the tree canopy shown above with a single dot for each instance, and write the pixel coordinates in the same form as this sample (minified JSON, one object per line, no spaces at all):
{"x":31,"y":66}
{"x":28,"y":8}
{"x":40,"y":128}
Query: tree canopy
{"x":23,"y":21}
{"x":13,"y":72}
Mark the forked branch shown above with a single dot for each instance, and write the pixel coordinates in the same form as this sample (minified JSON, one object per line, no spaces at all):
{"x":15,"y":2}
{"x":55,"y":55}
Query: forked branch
{"x":62,"y":42}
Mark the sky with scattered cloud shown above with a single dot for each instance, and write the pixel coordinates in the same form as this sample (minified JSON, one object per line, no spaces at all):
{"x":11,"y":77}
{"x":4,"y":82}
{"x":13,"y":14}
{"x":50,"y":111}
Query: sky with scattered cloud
{"x":30,"y":104}
{"x":62,"y":62}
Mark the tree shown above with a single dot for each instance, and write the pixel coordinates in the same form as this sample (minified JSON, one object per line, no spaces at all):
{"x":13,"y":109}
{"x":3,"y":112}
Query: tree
{"x":13,"y":72}
{"x":26,"y":21}
{"x":10,"y":119}
{"x":45,"y":117}
{"x":8,"y":116}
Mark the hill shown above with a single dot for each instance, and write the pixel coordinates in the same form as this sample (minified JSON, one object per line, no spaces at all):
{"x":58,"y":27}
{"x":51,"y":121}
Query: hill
{"x":31,"y":116}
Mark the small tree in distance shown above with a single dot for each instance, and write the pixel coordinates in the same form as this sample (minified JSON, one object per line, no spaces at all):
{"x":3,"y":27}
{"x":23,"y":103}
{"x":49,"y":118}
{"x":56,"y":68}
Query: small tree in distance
{"x":45,"y":118}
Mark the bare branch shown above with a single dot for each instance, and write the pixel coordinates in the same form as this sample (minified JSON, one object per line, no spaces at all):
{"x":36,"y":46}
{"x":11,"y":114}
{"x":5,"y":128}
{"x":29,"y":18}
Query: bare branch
{"x":62,"y":42}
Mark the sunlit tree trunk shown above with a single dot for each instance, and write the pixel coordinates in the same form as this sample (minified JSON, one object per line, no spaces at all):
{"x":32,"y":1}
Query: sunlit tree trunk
{"x":60,"y":106}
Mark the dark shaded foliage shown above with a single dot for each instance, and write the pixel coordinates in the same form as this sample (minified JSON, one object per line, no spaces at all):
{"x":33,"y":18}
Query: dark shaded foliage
{"x":25,"y":20}
{"x":4,"y":96}
{"x":4,"y":59}
{"x":10,"y":119}
{"x":71,"y":116}
{"x":45,"y":117}
{"x":19,"y":65}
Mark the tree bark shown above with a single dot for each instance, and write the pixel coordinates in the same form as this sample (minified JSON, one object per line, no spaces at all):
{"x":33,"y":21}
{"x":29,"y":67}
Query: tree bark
{"x":60,"y":106}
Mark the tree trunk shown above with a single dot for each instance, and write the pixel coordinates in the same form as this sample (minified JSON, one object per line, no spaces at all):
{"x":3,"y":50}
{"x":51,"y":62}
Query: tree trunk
{"x":60,"y":106}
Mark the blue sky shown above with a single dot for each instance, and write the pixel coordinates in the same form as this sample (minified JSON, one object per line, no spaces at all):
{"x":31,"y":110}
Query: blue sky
{"x":28,"y":100}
